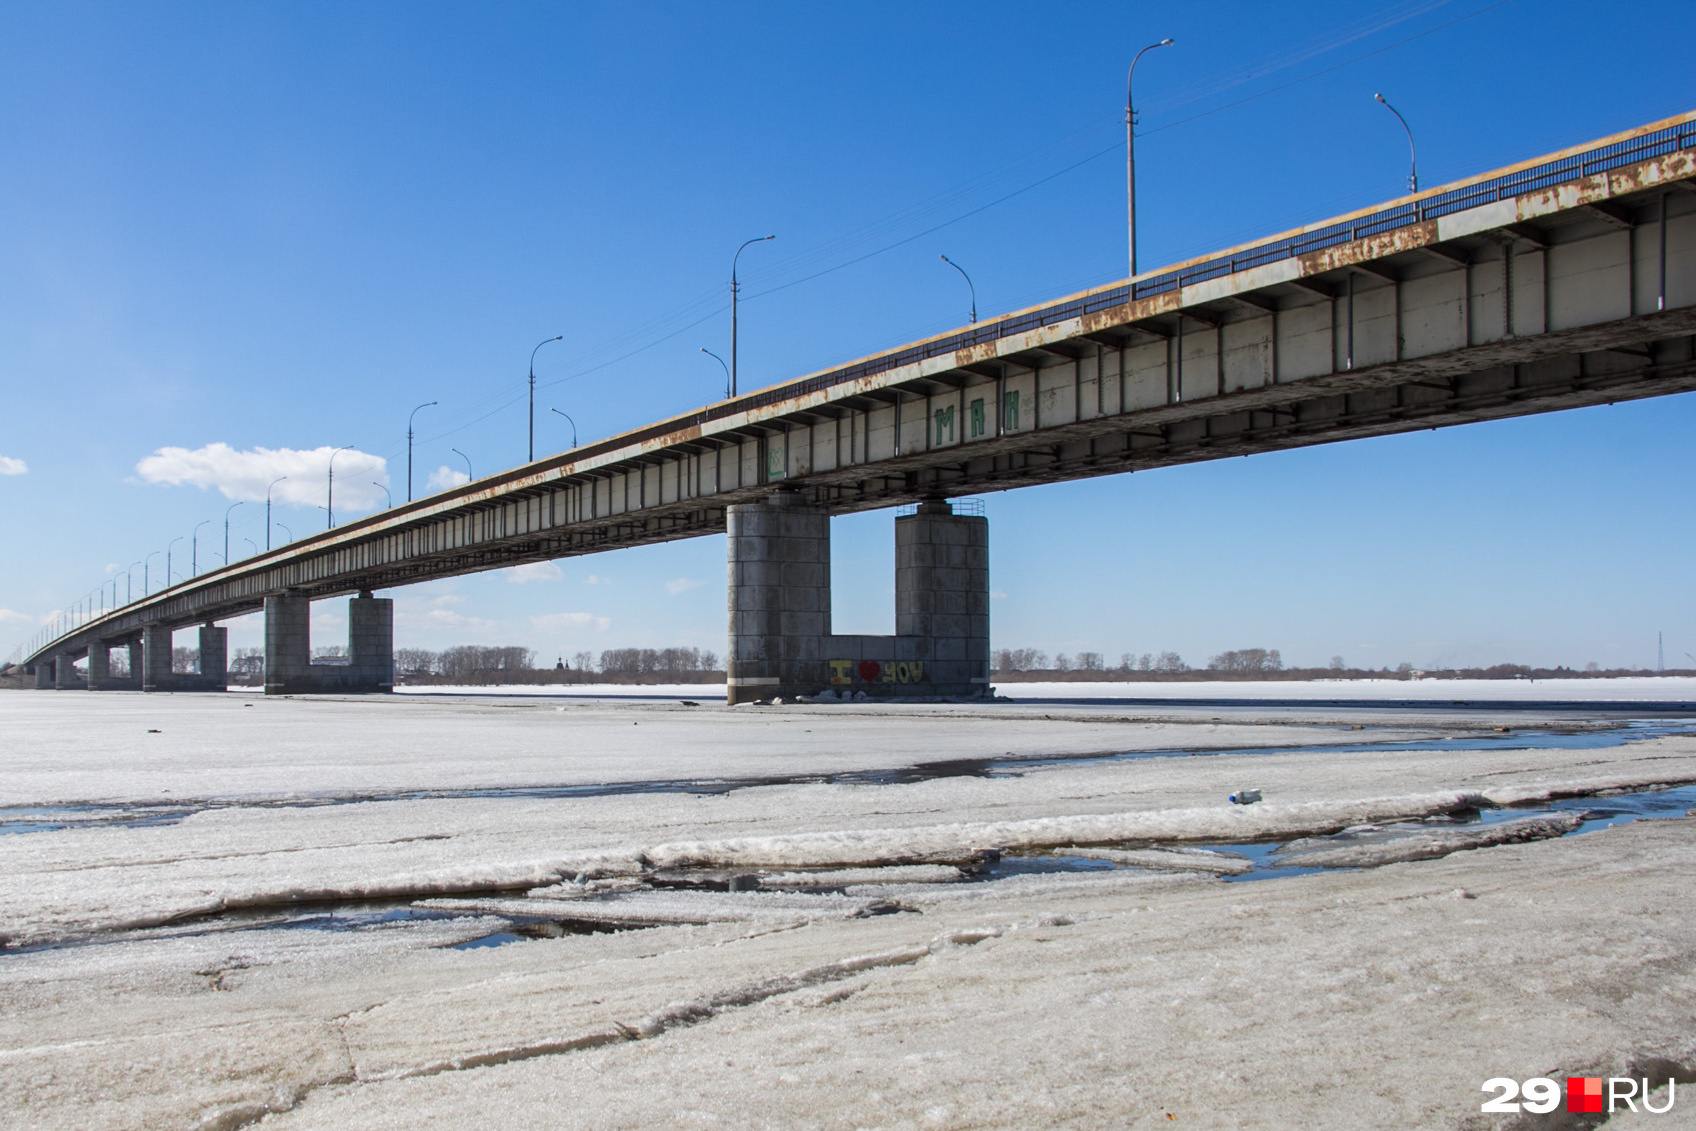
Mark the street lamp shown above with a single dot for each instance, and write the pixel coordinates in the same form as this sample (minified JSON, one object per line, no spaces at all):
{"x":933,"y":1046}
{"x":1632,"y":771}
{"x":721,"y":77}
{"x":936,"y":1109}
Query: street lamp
{"x":129,"y":583}
{"x":720,"y":360}
{"x":573,"y":424}
{"x":467,"y":459}
{"x":227,"y":511}
{"x":168,"y":546}
{"x":146,"y":581}
{"x":194,"y":548}
{"x":252,"y":543}
{"x":391,"y":499}
{"x":968,"y":279}
{"x":1131,"y":152}
{"x":736,"y":289}
{"x":330,"y":498}
{"x":280,"y":478}
{"x":432,"y":404}
{"x":539,"y":345}
{"x":1412,"y":157}
{"x":286,"y":530}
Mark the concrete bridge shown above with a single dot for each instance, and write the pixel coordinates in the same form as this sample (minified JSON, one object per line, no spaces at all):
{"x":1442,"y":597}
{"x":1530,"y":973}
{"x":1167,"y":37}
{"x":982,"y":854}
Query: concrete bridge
{"x":1565,"y":281}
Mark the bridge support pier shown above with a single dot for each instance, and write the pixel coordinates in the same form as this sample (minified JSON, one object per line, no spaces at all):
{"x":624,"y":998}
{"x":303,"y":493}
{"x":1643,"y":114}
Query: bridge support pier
{"x":44,"y":675}
{"x":289,"y":669}
{"x":100,"y":677}
{"x":155,"y":658}
{"x":65,"y":673}
{"x":780,"y":643}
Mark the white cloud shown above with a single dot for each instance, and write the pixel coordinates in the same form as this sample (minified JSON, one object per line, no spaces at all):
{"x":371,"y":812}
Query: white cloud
{"x":445,"y":476}
{"x":246,"y":475}
{"x":12,"y":615}
{"x":11,"y":466}
{"x":682,"y":585}
{"x":534,"y":571}
{"x":595,"y":579}
{"x":563,"y":621}
{"x":460,"y":620}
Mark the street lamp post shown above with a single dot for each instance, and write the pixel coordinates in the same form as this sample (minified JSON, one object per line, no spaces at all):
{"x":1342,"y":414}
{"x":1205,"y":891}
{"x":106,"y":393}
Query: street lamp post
{"x":1131,"y":152}
{"x":194,"y":548}
{"x":432,"y":404}
{"x":390,"y":498}
{"x":168,"y":546}
{"x":129,"y":583}
{"x":720,"y":360}
{"x":330,"y":497}
{"x":968,"y":279}
{"x":570,"y":421}
{"x":736,"y":289}
{"x":1412,"y":156}
{"x":280,"y":478}
{"x":227,"y":511}
{"x":539,"y":345}
{"x":467,"y":459}
{"x":287,"y":531}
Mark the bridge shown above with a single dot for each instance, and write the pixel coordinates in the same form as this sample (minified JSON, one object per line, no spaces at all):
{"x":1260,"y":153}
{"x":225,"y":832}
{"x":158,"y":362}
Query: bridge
{"x":1560,"y":282}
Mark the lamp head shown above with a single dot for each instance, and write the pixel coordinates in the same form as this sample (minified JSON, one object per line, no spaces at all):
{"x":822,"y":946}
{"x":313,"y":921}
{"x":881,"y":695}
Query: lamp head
{"x":1165,"y":43}
{"x":1379,"y":98}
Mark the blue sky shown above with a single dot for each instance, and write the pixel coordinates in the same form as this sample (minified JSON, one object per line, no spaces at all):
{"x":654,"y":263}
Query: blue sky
{"x":282,"y":226}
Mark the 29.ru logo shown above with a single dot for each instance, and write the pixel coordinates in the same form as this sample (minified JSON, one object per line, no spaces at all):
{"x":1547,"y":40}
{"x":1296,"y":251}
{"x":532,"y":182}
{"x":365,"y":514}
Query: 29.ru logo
{"x":1584,"y":1094}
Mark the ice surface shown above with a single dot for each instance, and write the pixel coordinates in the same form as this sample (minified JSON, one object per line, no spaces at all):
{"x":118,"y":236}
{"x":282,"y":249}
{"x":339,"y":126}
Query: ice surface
{"x":1369,"y":848}
{"x":1168,"y":859}
{"x":1082,"y":999}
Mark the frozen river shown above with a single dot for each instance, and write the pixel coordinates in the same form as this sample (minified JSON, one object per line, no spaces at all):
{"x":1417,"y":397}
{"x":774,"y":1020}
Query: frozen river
{"x":633,"y":913}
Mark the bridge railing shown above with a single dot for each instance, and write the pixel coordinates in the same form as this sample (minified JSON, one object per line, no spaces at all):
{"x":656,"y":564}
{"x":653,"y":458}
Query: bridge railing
{"x":1600,"y":159}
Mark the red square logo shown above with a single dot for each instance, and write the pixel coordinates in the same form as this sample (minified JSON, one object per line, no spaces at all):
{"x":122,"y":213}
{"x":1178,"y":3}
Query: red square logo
{"x":1584,"y":1094}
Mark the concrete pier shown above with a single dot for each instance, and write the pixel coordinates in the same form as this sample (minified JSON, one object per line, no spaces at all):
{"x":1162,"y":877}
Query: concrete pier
{"x":780,"y":643}
{"x":65,"y":676}
{"x":100,"y":677}
{"x":156,"y":673}
{"x":155,"y":658}
{"x":289,"y":669}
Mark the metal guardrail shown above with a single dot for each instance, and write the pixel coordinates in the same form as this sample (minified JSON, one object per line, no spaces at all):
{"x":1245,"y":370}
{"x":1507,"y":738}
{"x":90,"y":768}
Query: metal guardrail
{"x":1602,"y":159}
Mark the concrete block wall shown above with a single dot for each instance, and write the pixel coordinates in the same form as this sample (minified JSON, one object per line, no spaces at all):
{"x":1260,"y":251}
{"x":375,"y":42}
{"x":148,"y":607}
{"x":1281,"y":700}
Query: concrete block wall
{"x":780,"y":643}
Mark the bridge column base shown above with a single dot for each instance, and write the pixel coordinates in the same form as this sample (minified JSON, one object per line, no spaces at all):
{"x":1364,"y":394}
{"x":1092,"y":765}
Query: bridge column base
{"x":780,"y":643}
{"x":44,"y":675}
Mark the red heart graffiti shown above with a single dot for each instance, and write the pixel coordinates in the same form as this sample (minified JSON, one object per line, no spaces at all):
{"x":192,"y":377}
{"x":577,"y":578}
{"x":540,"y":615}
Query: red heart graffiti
{"x":870,"y":670}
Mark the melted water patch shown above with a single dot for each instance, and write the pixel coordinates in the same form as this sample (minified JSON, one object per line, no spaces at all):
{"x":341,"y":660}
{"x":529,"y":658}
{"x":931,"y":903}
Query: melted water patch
{"x":1597,"y":811}
{"x":58,"y":818}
